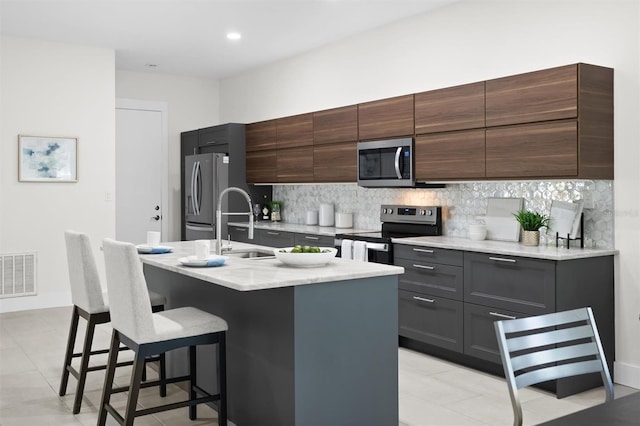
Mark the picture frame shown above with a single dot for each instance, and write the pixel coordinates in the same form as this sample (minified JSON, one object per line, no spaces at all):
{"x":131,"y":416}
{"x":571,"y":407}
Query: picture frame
{"x":47,"y":159}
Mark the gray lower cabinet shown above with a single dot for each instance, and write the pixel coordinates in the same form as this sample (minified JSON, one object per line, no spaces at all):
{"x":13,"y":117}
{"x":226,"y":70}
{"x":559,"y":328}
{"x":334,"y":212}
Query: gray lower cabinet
{"x":241,"y":234}
{"x":313,"y":240}
{"x":274,"y":238}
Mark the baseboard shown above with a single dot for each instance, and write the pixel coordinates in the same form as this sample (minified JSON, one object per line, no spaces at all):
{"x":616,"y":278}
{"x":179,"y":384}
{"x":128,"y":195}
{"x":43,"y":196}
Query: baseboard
{"x":626,"y":374}
{"x":39,"y":301}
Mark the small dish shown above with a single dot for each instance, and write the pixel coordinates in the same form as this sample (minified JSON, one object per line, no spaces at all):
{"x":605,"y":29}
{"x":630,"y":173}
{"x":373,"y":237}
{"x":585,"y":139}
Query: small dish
{"x":146,"y":249}
{"x":212,"y":260}
{"x":305,"y":260}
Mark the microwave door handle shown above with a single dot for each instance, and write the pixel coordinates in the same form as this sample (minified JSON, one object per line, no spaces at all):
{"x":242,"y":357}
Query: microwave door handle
{"x":397,"y":163}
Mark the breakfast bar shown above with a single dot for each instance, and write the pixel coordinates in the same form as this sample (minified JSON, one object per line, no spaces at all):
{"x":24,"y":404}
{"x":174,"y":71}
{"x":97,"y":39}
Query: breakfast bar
{"x":305,"y":346}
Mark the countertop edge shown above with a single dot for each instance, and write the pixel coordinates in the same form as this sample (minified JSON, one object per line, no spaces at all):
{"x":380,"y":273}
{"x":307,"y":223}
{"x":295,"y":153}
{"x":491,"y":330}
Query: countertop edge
{"x":505,"y":248}
{"x":327,"y":231}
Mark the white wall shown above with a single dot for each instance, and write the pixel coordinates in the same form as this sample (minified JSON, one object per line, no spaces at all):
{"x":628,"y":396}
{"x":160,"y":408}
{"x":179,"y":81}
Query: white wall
{"x":51,"y":89}
{"x":192,"y":104}
{"x":472,"y":41}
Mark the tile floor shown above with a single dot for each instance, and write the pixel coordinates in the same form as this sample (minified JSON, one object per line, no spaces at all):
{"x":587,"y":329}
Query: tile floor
{"x":432,"y":391}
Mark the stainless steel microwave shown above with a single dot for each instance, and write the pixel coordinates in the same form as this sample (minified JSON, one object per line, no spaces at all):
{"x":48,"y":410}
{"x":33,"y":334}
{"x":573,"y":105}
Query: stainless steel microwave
{"x":386,"y":163}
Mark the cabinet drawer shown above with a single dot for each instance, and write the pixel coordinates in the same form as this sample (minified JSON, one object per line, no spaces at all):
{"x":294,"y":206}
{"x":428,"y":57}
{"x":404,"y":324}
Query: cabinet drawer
{"x":313,"y":240}
{"x":241,"y":234}
{"x":216,"y":135}
{"x":432,"y":320}
{"x":431,"y":278}
{"x":514,"y":283}
{"x":479,"y":333}
{"x":275,"y":238}
{"x":436,"y":255}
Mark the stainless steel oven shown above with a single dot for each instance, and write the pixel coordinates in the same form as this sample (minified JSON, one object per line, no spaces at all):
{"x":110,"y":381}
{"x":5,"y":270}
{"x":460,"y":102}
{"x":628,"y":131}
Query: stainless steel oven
{"x":397,"y":221}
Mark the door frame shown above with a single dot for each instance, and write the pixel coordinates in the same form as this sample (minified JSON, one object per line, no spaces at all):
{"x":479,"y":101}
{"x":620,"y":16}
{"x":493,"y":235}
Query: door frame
{"x":162,"y":108}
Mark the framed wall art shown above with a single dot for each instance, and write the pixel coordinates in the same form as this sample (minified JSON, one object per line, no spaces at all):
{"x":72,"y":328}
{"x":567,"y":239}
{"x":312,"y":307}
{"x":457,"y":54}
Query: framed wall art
{"x":47,"y":159}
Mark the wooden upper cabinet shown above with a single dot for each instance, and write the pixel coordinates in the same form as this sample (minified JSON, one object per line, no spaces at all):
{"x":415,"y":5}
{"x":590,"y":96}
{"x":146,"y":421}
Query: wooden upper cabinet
{"x":295,"y":165}
{"x":386,"y":118}
{"x":336,"y":125}
{"x":455,"y":155}
{"x":261,"y":135}
{"x":262,"y":166}
{"x":295,"y":131}
{"x":335,"y":162}
{"x":453,"y":108}
{"x":550,"y":94}
{"x":540,"y":150}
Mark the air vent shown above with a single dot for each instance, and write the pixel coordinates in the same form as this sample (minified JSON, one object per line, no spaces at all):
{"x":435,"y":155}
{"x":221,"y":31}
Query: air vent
{"x":17,"y":275}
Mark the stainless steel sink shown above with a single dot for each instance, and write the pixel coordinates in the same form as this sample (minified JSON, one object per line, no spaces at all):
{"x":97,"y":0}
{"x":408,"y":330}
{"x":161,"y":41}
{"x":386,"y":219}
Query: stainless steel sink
{"x":250,"y":254}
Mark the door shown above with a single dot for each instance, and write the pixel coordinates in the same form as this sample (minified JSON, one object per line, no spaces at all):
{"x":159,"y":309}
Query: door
{"x":141,"y":171}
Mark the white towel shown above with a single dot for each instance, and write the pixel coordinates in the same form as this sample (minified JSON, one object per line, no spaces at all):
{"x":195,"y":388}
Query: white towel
{"x":360,"y":251}
{"x":346,"y":249}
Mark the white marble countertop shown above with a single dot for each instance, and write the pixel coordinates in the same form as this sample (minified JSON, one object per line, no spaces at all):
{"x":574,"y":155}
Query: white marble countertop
{"x":328,"y":231}
{"x":264,"y":273}
{"x":505,"y":248}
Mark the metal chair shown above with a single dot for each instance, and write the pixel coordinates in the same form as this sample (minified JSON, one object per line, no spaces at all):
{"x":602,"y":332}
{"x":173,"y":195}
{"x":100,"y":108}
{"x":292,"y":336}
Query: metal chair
{"x":90,"y":303}
{"x":547,"y":347}
{"x":148,"y":333}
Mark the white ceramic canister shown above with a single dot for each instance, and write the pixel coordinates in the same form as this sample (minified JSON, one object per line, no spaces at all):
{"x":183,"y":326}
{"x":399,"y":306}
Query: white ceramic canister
{"x":344,"y":220}
{"x":326,"y":215}
{"x":312,"y":217}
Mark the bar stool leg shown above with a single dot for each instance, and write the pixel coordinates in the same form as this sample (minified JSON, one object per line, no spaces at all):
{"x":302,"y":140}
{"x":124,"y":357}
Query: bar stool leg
{"x":163,"y":375}
{"x":192,"y":382}
{"x":84,"y":363}
{"x":71,"y":341}
{"x":134,"y":387}
{"x":108,"y":378}
{"x":222,"y":380}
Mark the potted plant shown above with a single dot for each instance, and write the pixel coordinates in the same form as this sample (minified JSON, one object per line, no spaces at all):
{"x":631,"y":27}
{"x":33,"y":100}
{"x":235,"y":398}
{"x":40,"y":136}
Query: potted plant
{"x":276,"y":210}
{"x":531,"y":223}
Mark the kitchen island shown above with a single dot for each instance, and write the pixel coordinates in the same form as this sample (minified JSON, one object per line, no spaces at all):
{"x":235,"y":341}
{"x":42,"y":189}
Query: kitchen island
{"x":305,"y":346}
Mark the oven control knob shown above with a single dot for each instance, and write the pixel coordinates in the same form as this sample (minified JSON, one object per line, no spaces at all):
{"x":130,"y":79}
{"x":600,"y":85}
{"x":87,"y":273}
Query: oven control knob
{"x":386,"y":211}
{"x":425,"y":212}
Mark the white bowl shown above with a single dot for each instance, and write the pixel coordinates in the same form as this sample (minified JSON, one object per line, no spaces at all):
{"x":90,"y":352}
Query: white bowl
{"x":305,"y":259}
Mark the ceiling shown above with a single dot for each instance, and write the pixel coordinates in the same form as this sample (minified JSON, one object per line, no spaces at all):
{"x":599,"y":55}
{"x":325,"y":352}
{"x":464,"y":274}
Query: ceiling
{"x":188,"y":37}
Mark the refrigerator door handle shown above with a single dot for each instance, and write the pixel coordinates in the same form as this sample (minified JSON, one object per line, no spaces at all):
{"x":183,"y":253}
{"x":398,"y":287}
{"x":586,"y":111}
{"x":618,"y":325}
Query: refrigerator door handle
{"x":198,"y":188}
{"x":193,"y":192}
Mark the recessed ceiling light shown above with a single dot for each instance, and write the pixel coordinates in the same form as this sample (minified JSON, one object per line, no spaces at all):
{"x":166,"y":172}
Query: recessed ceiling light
{"x":151,"y":65}
{"x":234,"y":36}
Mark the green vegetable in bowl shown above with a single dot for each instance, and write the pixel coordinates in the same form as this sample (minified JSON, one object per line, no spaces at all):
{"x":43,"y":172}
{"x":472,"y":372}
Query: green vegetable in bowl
{"x":305,"y":249}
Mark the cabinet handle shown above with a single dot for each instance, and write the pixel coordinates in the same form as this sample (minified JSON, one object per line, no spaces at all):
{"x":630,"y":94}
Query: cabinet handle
{"x":423,"y":250}
{"x":307,"y":237}
{"x":241,"y":229}
{"x":496,"y":314}
{"x":422,"y":299}
{"x":277,"y":233}
{"x":502,"y":259}
{"x":431,"y":268}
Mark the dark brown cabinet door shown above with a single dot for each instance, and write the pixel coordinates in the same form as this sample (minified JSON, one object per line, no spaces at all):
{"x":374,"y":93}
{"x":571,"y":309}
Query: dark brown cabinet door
{"x":453,"y":108}
{"x":295,"y":131}
{"x":335,"y":162}
{"x":261,"y":166}
{"x":391,"y":117}
{"x":336,"y":125}
{"x":550,"y":94}
{"x":261,"y":135}
{"x":534,"y":150}
{"x":457,"y":155}
{"x":295,"y":165}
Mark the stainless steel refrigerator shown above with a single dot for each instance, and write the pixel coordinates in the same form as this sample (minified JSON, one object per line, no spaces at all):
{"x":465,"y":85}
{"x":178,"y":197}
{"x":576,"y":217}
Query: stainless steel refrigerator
{"x":206,"y":175}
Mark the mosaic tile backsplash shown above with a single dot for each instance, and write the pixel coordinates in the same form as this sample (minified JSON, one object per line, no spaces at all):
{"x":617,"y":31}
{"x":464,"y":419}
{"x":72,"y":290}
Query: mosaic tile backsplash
{"x":461,"y":202}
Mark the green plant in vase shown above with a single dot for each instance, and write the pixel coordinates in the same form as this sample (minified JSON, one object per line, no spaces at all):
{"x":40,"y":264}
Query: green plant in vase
{"x":276,"y":209}
{"x":531,"y":222}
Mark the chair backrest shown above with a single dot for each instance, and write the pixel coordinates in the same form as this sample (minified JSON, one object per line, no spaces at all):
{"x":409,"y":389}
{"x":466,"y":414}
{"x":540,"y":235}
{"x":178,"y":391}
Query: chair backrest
{"x":86,"y":291}
{"x":548,"y":347}
{"x":128,"y":295}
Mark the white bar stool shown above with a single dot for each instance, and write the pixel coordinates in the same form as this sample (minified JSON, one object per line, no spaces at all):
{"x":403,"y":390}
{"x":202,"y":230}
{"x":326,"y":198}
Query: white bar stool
{"x":90,"y":303}
{"x":148,"y":333}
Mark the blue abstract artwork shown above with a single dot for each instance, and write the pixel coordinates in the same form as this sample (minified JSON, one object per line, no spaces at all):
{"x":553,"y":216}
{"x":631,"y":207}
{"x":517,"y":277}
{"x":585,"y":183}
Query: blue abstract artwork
{"x":49,"y":159}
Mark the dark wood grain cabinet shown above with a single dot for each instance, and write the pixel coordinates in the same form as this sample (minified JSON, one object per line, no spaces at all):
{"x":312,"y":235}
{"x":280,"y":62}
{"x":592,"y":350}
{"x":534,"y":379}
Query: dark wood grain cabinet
{"x":335,"y":125}
{"x":481,"y":288}
{"x":295,"y":165}
{"x":262,"y":166}
{"x":261,"y":135}
{"x":386,"y":118}
{"x":335,"y":162}
{"x":294,"y":131}
{"x":452,"y":108}
{"x":454,"y":155}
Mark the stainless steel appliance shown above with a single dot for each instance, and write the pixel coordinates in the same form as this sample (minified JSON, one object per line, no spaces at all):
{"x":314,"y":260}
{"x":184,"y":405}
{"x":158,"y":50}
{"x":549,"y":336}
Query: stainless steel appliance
{"x":397,"y":221}
{"x":386,"y":163}
{"x":207,"y":175}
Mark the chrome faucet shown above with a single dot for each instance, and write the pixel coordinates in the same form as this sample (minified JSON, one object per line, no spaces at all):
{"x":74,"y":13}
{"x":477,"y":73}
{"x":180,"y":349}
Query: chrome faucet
{"x":219,"y":246}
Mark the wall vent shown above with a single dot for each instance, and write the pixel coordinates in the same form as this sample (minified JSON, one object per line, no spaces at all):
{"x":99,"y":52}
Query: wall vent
{"x":17,"y":275}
